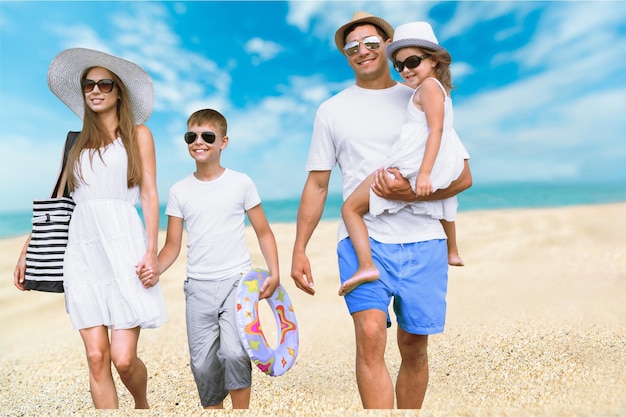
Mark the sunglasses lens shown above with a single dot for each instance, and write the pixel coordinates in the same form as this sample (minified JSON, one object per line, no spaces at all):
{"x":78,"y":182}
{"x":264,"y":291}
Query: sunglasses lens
{"x":190,"y":137}
{"x":351,"y":48}
{"x":88,"y":86}
{"x":412,"y":62}
{"x":372,"y":43}
{"x":208,"y":137}
{"x":106,"y":86}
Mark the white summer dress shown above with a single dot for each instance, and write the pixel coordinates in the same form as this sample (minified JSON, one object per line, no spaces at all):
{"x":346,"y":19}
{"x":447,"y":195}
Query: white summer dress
{"x":106,"y":240}
{"x":407,"y":153}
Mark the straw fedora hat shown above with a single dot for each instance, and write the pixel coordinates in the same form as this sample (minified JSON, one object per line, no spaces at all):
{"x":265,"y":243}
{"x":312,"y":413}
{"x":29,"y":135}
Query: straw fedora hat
{"x":361,"y":17}
{"x":67,"y":68}
{"x":415,"y":34}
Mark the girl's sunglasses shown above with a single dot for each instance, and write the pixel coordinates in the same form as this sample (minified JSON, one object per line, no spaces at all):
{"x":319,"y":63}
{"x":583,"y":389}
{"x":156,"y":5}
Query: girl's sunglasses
{"x":105,"y":86}
{"x":208,"y":137}
{"x":371,"y":42}
{"x":411,"y":62}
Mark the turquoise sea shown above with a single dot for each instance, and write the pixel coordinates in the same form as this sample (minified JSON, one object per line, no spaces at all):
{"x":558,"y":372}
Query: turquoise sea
{"x":479,"y":197}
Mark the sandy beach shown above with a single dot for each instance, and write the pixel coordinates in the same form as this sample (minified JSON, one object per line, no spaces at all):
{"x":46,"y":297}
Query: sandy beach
{"x":535,"y":326}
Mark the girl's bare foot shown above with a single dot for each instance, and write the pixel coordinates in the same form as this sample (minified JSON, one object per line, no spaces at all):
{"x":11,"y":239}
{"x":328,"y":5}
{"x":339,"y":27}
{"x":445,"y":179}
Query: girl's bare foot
{"x":361,"y":276}
{"x":455,"y":260}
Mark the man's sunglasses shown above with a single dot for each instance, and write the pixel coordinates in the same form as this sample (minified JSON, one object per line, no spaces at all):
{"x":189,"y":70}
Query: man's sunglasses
{"x":411,"y":62}
{"x":105,"y":86}
{"x":371,"y":42}
{"x":208,"y":137}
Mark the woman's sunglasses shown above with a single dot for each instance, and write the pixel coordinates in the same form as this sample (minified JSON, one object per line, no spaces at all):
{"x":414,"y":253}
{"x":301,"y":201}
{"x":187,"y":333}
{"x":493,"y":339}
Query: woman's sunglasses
{"x":105,"y":86}
{"x":371,"y":42}
{"x":208,"y":137}
{"x":411,"y":62}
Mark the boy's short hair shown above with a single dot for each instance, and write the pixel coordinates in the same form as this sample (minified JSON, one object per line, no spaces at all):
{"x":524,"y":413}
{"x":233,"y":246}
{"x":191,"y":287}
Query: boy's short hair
{"x":208,"y":116}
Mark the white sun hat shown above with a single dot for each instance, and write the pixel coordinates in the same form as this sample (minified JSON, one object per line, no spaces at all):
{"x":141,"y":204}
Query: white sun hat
{"x":416,"y":35}
{"x":67,"y":68}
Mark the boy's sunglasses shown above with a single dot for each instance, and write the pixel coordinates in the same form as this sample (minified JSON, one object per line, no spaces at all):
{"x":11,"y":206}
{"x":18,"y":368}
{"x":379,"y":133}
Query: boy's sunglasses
{"x":208,"y":137}
{"x":411,"y":62}
{"x":371,"y":42}
{"x":105,"y":86}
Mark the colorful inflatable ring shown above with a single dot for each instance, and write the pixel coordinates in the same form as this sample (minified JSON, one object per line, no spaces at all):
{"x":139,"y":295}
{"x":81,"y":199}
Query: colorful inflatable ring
{"x":273,"y":362}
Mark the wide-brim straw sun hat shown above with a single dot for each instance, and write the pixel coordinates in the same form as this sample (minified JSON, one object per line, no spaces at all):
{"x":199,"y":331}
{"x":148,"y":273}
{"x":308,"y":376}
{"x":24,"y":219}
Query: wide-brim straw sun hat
{"x":361,"y":17}
{"x":67,"y":68}
{"x":416,"y":35}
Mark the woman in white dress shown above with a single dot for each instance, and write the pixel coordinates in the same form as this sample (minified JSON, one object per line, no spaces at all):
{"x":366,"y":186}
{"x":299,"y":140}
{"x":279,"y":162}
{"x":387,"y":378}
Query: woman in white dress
{"x":110,"y":168}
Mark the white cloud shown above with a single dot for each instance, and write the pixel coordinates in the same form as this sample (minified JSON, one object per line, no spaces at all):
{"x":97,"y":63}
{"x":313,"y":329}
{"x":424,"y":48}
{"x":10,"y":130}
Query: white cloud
{"x":262,"y":50}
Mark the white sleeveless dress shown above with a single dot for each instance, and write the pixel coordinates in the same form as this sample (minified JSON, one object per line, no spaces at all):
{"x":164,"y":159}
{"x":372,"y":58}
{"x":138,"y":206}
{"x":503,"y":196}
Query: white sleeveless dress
{"x":407,"y":153}
{"x":106,"y":240}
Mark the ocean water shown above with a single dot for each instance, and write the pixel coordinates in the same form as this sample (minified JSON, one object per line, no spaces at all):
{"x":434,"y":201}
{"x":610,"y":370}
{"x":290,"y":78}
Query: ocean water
{"x":479,"y":197}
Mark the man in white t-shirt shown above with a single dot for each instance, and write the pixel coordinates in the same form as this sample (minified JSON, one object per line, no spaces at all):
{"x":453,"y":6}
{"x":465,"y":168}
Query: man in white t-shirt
{"x":355,"y":129}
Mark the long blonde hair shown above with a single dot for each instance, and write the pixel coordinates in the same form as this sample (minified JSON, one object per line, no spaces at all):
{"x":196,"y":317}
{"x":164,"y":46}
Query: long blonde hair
{"x":94,"y":136}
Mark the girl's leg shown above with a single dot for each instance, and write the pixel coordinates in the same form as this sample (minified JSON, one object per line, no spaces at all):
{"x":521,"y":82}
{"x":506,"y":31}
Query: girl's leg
{"x":453,"y":251}
{"x":98,"y":351}
{"x":352,"y":211}
{"x":131,"y":369}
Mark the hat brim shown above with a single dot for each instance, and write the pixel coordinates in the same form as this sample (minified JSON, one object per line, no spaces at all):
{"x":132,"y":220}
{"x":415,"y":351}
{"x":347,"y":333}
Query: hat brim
{"x":393,"y":47}
{"x":67,"y":68}
{"x":376,"y":21}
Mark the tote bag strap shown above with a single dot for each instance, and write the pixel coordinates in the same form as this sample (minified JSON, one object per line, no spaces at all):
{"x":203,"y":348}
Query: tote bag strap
{"x":69,"y":142}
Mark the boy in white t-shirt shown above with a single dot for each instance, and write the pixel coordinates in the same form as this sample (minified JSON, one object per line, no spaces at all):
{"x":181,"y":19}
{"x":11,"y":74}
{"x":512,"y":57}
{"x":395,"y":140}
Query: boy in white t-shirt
{"x":212,"y":204}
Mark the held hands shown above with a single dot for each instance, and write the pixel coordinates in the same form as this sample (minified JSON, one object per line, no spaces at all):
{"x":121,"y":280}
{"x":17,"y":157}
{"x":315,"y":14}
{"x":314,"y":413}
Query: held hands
{"x":147,"y":271}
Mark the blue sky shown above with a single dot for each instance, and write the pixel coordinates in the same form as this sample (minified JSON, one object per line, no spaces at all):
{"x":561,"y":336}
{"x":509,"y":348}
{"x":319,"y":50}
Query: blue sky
{"x":541,"y":86}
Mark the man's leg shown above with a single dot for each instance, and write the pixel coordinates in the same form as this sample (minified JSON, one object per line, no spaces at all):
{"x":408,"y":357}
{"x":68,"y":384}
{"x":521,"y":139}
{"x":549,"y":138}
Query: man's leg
{"x":413,"y":375}
{"x":372,"y":376}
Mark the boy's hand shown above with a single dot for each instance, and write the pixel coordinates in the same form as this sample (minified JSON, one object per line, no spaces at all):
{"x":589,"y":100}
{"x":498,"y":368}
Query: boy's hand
{"x":269,"y":286}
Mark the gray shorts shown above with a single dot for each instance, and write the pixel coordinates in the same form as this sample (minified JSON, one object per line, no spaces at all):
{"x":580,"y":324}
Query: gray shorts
{"x":219,"y":362}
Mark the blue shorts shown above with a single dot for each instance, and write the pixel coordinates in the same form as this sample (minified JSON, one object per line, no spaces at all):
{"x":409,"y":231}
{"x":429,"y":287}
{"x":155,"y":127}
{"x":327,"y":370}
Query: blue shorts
{"x":415,"y":275}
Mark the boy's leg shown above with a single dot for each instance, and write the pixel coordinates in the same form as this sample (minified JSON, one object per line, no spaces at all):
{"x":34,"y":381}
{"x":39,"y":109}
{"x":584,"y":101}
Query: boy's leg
{"x":454,"y":258}
{"x":237,"y":366}
{"x":240,"y":398}
{"x":352,"y":211}
{"x":202,"y":311}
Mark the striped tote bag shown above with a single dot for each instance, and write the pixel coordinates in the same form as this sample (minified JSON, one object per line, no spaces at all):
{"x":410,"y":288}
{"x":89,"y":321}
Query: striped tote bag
{"x":46,"y":249}
{"x":48,"y":238}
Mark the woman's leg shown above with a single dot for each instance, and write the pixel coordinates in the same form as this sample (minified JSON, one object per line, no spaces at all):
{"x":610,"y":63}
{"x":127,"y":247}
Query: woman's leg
{"x":352,"y":211}
{"x":453,"y":251}
{"x":101,"y":384}
{"x":131,"y":369}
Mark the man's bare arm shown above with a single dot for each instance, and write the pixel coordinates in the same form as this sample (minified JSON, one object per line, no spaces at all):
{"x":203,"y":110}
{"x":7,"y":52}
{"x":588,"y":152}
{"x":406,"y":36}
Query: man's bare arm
{"x":398,"y":188}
